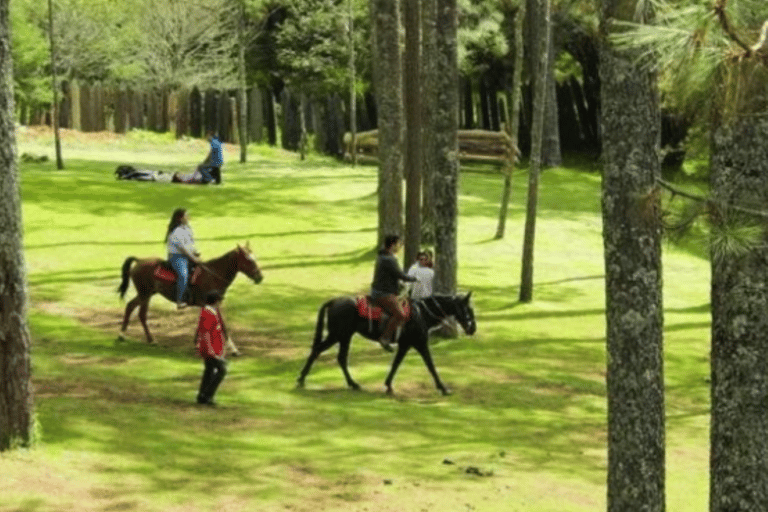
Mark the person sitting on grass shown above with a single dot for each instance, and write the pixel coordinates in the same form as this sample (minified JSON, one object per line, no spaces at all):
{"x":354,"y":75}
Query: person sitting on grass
{"x":211,"y":166}
{"x":211,"y":333}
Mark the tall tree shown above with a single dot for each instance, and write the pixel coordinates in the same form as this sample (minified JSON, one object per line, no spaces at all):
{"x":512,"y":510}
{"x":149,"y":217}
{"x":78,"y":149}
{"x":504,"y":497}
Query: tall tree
{"x":413,"y":118}
{"x":537,"y":134}
{"x":388,"y":83}
{"x":55,"y":88}
{"x":713,"y":58}
{"x":550,"y":146}
{"x":242,"y":95}
{"x":631,"y":128}
{"x":16,"y":414}
{"x":446,"y":179}
{"x":739,"y":178}
{"x":428,"y":80}
{"x":513,"y":122}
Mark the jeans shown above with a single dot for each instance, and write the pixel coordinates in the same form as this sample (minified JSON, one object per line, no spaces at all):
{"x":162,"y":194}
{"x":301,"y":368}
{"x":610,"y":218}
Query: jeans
{"x":180,"y":264}
{"x":215,"y":370}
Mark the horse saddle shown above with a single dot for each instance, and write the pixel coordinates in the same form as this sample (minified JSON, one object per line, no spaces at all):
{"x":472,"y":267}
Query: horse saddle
{"x":368,"y":310}
{"x":164,"y":272}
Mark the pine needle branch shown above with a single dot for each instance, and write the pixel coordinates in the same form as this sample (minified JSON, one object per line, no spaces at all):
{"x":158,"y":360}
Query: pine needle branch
{"x":725,"y":23}
{"x":682,"y":193}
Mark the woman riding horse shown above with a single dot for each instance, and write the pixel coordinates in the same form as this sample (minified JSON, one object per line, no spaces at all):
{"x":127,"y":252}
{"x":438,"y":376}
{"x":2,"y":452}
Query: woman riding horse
{"x":181,"y":250}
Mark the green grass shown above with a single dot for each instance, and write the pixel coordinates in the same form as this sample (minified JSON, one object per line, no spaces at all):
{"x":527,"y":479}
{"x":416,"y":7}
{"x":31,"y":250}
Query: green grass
{"x":528,"y":409}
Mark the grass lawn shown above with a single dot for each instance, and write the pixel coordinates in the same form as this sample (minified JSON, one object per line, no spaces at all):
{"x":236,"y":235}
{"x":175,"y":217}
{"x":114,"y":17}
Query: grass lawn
{"x":525,"y":427}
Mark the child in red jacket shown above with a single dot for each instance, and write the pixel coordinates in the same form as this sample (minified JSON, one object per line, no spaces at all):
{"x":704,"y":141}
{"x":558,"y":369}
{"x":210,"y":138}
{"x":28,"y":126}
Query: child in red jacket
{"x":211,"y":334}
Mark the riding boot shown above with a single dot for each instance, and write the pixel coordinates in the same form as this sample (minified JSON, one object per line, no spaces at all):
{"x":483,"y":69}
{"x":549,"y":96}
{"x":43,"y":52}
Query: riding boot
{"x":385,"y":340}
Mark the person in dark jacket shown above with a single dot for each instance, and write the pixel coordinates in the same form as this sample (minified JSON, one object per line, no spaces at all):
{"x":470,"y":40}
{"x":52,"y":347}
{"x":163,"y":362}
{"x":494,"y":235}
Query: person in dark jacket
{"x":386,"y":280}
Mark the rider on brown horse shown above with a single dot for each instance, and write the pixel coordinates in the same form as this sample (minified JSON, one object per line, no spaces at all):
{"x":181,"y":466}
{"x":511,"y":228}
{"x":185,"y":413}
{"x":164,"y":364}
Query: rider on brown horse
{"x":181,"y":250}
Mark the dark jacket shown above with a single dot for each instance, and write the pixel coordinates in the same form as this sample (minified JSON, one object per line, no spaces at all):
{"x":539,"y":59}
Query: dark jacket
{"x":388,"y":273}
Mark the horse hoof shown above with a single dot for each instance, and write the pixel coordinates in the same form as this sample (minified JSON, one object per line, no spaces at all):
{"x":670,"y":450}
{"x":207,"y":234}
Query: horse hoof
{"x":446,"y":392}
{"x":355,"y":387}
{"x":299,"y":384}
{"x":389,"y":391}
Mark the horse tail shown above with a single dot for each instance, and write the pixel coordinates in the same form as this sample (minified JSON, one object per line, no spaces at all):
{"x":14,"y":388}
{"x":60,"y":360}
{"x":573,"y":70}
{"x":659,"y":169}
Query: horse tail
{"x":126,"y":274}
{"x":321,"y":323}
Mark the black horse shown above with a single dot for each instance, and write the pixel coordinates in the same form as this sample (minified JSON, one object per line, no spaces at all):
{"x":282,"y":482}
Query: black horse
{"x":344,"y":321}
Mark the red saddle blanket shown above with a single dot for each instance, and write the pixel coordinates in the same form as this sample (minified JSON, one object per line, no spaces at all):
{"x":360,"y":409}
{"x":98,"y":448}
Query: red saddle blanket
{"x":163,"y":273}
{"x":367,"y":310}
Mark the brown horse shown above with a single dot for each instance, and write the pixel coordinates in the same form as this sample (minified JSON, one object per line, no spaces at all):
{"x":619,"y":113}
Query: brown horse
{"x":216,"y":274}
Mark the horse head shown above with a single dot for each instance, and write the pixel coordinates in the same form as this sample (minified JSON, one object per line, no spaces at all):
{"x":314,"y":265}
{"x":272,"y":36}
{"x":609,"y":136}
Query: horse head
{"x":464,"y":313}
{"x":246,"y":263}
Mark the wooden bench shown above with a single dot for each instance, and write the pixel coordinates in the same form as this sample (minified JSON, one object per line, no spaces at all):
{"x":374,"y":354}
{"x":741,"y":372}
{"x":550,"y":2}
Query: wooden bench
{"x":474,"y":146}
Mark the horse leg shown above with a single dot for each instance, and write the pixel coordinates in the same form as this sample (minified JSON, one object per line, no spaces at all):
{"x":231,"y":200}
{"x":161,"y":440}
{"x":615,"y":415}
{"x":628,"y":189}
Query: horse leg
{"x":342,"y":359}
{"x":143,"y":317}
{"x":423,"y":349}
{"x":128,"y":311}
{"x":317,"y":349}
{"x":402,"y":349}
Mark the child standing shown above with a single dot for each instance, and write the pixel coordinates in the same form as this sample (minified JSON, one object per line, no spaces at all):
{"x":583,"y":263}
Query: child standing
{"x":211,"y":334}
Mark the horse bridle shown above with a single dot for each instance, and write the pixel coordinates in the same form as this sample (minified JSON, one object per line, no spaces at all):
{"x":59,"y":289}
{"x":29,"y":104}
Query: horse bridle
{"x":442,"y":319}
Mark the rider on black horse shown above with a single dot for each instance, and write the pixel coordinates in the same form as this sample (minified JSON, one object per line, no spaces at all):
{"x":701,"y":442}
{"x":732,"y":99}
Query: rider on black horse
{"x":386,"y":279}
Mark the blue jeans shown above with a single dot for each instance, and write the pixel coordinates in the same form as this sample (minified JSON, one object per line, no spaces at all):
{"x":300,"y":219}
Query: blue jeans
{"x":180,"y":264}
{"x":205,"y":171}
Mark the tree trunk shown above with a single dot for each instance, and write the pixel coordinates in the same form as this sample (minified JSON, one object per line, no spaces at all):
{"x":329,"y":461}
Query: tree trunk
{"x":413,"y":131}
{"x":429,"y":76}
{"x":537,"y":134}
{"x":513,"y":123}
{"x":388,"y":73}
{"x":552,"y":155}
{"x":54,"y":85}
{"x":447,"y":138}
{"x":16,"y":414}
{"x":352,"y":80}
{"x":550,"y":148}
{"x":242,"y":95}
{"x":739,"y":421}
{"x":631,"y":128}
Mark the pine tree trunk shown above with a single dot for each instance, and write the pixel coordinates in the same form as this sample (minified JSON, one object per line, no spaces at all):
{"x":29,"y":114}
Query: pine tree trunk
{"x":16,"y":415}
{"x":537,"y":134}
{"x":447,"y":139}
{"x":413,"y":132}
{"x":631,"y":128}
{"x":739,"y":417}
{"x":388,"y":74}
{"x":550,"y":147}
{"x":242,"y":95}
{"x":513,"y":123}
{"x":429,"y":76}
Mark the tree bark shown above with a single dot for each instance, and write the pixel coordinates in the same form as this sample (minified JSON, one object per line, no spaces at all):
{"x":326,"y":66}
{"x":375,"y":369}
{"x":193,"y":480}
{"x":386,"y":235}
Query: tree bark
{"x":447,"y":139}
{"x":55,"y":86}
{"x":413,"y":131}
{"x":631,"y":128}
{"x":352,"y":80}
{"x":513,"y":123}
{"x":242,"y":95}
{"x":429,"y":76}
{"x":739,"y":417}
{"x":537,"y":134}
{"x":16,"y":413}
{"x":550,"y":148}
{"x":388,"y":73}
